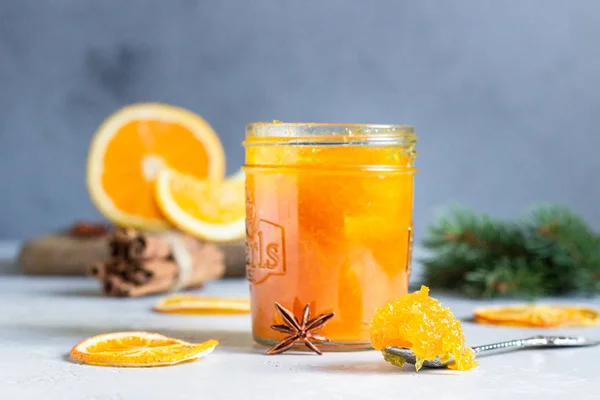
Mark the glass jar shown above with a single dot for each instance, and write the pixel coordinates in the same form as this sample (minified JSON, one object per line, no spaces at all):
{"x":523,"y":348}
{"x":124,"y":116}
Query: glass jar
{"x":328,"y":223}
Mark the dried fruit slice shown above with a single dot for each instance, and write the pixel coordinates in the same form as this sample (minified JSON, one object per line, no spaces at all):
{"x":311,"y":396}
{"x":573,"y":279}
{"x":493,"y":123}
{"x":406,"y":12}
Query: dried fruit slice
{"x":138,"y":349}
{"x":188,"y":304}
{"x":211,"y":210}
{"x":419,"y":322}
{"x":537,"y":315}
{"x":133,"y":144}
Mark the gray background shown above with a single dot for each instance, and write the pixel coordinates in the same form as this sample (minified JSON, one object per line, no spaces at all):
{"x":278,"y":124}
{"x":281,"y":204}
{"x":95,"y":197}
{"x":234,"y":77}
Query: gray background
{"x":505,"y":95}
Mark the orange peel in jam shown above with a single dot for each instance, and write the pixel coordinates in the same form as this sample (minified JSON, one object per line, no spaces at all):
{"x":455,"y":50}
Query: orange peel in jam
{"x":419,"y":322}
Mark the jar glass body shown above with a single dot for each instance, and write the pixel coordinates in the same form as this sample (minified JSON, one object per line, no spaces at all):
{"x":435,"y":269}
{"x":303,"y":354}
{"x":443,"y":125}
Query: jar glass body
{"x":329,"y":223}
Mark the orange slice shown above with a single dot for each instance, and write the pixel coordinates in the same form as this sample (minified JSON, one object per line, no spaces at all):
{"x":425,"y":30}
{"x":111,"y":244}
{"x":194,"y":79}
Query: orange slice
{"x":187,"y":304}
{"x":537,"y":315}
{"x":210,"y":210}
{"x":132,"y":145}
{"x":138,"y":349}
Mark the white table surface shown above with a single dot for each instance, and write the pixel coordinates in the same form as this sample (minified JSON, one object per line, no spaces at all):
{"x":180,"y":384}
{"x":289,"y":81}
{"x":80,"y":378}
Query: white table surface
{"x":43,"y":317}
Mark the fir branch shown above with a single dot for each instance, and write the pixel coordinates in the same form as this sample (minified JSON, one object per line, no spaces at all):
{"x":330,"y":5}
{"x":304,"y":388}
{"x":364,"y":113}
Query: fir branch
{"x":549,"y":251}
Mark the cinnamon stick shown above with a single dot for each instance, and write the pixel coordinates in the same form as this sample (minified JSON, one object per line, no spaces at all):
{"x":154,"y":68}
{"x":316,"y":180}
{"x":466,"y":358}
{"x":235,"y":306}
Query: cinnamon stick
{"x":160,"y":269}
{"x":150,"y":247}
{"x":215,"y":267}
{"x":156,"y":286}
{"x":144,"y":263}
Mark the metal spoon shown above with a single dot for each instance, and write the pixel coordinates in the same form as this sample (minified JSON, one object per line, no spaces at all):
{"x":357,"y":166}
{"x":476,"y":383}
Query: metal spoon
{"x":533,"y":342}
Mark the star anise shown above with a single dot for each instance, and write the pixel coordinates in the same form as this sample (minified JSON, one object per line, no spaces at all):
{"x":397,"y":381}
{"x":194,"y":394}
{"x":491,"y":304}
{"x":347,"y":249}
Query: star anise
{"x":299,"y":331}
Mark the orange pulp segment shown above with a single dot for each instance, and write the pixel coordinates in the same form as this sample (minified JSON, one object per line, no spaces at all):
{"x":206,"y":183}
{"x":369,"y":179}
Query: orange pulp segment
{"x":419,"y":322}
{"x":138,"y":349}
{"x":537,"y":315}
{"x":189,"y":304}
{"x":132,"y":145}
{"x":210,"y":210}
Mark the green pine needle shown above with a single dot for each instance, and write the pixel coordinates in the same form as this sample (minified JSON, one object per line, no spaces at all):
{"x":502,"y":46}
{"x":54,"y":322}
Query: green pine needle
{"x":550,"y":251}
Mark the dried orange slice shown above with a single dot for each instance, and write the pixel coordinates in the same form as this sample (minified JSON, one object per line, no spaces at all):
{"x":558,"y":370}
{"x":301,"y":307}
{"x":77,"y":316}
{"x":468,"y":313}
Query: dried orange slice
{"x":132,"y":145}
{"x":138,"y":349}
{"x":537,"y":315}
{"x":188,"y":304}
{"x":211,"y":210}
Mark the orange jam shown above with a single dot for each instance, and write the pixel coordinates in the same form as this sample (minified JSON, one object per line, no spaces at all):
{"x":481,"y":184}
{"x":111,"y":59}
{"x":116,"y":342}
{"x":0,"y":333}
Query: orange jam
{"x":419,"y":322}
{"x":329,"y":223}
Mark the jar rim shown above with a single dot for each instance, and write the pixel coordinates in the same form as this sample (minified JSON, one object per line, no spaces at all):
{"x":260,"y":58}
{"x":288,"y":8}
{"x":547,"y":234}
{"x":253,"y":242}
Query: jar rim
{"x":278,"y":129}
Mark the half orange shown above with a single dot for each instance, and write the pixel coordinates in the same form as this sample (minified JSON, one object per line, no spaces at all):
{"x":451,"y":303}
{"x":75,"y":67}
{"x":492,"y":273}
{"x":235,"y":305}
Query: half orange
{"x":132,"y":145}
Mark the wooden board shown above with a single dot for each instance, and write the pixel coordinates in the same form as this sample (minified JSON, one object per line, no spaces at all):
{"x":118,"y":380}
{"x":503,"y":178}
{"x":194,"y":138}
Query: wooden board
{"x":63,"y":254}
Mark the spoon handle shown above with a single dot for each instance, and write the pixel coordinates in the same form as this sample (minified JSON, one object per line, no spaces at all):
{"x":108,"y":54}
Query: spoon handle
{"x":502,"y":347}
{"x":536,"y":341}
